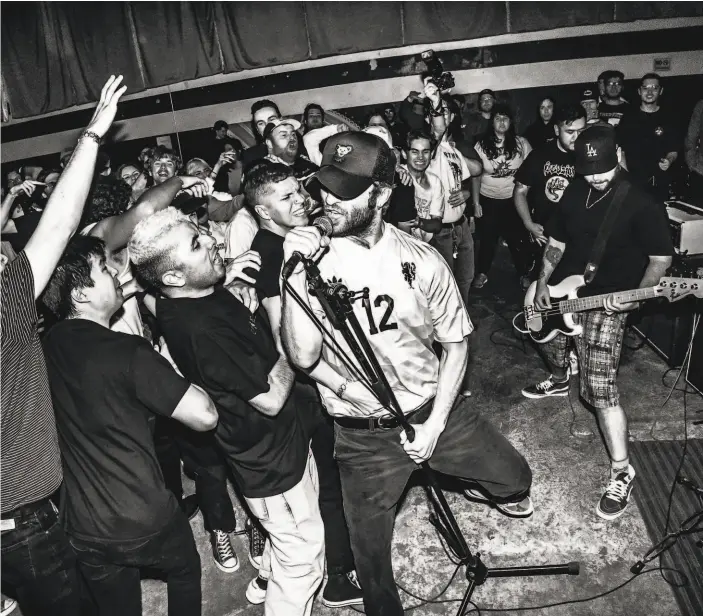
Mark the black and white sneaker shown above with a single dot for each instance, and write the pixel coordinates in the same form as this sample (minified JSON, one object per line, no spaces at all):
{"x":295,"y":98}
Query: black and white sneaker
{"x":257,"y":540}
{"x":548,"y":387}
{"x":342,"y":589}
{"x":256,"y":590}
{"x":223,"y":552}
{"x":617,"y":495}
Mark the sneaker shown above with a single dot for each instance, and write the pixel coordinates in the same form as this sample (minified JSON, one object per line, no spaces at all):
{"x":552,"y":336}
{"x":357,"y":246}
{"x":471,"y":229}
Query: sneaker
{"x":616,"y":496}
{"x":257,"y":540}
{"x":573,"y":363}
{"x":256,"y":590}
{"x":550,"y":387}
{"x":7,"y":606}
{"x":223,"y":553}
{"x":480,"y":281}
{"x":189,"y":506}
{"x":520,"y":509}
{"x":342,"y":589}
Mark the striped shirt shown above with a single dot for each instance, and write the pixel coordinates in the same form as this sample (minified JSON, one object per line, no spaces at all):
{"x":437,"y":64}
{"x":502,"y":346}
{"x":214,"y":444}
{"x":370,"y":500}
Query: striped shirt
{"x":30,"y":461}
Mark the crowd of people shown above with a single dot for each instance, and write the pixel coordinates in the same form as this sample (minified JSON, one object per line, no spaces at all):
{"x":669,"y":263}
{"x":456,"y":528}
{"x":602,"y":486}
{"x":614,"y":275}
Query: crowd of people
{"x":146,"y":329}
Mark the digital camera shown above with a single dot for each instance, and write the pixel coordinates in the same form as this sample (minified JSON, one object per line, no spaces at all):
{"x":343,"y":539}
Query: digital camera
{"x":443,"y":81}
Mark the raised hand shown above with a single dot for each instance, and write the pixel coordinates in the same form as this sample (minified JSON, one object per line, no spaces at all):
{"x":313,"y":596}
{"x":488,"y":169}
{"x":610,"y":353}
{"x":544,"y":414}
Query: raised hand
{"x":27,"y":187}
{"x":107,"y":106}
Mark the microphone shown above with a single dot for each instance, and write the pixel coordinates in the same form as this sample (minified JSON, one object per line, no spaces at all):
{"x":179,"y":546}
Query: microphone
{"x":324,"y":226}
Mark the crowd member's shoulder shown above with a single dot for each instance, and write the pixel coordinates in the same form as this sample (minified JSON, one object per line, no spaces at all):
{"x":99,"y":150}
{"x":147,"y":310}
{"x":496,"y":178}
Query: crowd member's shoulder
{"x":467,"y":150}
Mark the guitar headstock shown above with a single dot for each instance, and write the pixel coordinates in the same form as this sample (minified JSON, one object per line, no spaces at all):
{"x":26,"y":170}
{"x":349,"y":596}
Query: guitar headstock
{"x":675,"y":289}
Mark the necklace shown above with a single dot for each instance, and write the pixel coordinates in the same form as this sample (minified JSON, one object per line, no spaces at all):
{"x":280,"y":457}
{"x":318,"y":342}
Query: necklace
{"x":588,"y":207}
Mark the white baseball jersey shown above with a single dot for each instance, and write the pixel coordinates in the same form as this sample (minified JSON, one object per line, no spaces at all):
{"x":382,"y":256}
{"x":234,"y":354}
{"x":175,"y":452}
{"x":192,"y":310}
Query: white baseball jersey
{"x":413,"y":300}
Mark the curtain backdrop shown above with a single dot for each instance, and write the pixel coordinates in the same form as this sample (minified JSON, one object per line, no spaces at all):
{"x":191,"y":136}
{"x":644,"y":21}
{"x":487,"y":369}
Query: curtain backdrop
{"x":59,"y":54}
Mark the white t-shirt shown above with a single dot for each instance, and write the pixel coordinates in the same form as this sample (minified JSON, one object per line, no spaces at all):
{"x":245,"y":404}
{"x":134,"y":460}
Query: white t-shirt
{"x":128,"y":319}
{"x":429,"y":201}
{"x":449,"y":166}
{"x":498,"y":179}
{"x":413,"y":301}
{"x":240,"y":233}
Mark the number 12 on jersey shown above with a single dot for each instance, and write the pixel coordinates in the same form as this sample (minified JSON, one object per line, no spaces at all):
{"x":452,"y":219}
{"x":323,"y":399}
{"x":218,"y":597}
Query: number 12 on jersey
{"x":384,"y":325}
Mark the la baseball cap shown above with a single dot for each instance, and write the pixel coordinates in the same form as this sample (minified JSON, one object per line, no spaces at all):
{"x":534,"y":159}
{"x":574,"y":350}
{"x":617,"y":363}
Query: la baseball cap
{"x":352,"y":161}
{"x":595,"y":150}
{"x":276,"y":122}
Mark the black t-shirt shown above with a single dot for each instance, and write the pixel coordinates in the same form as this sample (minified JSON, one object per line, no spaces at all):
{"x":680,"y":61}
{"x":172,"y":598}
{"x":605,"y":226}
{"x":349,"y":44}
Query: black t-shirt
{"x":540,"y":133}
{"x":613,"y":114}
{"x":646,"y":138}
{"x":401,"y":207}
{"x":220,"y":346}
{"x":105,"y":386}
{"x":252,"y":154}
{"x":641,"y":229}
{"x":547,"y":170}
{"x":270,"y":247}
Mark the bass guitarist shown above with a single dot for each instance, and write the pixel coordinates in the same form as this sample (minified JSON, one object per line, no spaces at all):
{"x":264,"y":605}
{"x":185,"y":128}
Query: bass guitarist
{"x":637,"y":252}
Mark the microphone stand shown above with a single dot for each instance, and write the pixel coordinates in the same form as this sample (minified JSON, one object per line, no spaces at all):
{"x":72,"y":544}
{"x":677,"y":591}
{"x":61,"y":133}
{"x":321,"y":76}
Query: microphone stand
{"x":336,"y":300}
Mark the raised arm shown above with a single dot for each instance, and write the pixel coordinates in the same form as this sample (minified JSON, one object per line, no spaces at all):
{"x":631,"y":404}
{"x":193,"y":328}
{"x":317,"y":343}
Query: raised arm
{"x":26,"y":187}
{"x":314,"y":138}
{"x":65,"y":206}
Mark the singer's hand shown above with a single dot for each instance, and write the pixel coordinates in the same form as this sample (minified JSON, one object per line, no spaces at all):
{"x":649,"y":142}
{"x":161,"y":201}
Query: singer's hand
{"x":234,"y":268}
{"x":308,"y":241}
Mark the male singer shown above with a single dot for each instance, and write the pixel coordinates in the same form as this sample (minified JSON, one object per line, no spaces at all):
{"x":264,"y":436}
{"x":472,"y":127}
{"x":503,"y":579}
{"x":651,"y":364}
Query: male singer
{"x":413,"y":301}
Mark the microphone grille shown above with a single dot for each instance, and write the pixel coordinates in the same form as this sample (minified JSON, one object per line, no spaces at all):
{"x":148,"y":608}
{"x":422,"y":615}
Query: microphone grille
{"x":324,"y":225}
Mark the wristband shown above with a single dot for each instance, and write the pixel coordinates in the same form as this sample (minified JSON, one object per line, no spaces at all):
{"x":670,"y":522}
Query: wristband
{"x":342,"y":388}
{"x":89,"y":134}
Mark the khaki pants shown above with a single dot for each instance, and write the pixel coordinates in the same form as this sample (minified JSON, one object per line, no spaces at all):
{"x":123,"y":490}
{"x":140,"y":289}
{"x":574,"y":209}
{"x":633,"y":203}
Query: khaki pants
{"x":297,"y":545}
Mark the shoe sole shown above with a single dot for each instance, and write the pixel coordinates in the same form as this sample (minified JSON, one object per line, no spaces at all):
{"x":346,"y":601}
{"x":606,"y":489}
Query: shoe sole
{"x":255,"y":601}
{"x":532,"y":396}
{"x":610,"y":516}
{"x":506,"y":512}
{"x":253,"y":561}
{"x":342,"y":603}
{"x":226,"y":569}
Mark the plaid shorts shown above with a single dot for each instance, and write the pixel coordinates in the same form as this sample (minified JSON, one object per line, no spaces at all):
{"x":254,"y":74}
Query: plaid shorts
{"x":598,"y":347}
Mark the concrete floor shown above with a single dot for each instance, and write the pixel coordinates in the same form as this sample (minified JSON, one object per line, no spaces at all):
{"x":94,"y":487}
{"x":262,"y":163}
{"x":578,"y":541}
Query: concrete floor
{"x":569,"y":475}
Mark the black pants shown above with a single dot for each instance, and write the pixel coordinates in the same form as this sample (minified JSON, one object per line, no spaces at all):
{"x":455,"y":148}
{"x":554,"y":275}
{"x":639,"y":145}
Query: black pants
{"x":500,"y":219}
{"x":201,"y":457}
{"x":320,"y":429}
{"x":39,"y":565}
{"x":111,"y":569}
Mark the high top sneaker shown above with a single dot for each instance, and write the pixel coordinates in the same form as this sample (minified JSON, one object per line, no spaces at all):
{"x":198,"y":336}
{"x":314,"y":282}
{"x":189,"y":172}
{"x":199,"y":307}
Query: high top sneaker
{"x":223,"y":553}
{"x":342,"y":589}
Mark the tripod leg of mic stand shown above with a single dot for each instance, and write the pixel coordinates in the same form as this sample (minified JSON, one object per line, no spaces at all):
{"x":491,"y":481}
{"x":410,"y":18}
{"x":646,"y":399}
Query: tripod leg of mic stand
{"x":467,"y":597}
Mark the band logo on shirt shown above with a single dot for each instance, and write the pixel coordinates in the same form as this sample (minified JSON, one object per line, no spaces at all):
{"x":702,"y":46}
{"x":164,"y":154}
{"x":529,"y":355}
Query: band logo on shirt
{"x":559,"y":180}
{"x":502,"y":169}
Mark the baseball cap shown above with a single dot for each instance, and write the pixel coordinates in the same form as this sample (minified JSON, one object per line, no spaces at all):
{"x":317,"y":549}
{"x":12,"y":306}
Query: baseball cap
{"x":382,"y":132}
{"x":595,"y":150}
{"x":352,"y":162}
{"x":486,"y":91}
{"x":588,"y":94}
{"x":276,"y":122}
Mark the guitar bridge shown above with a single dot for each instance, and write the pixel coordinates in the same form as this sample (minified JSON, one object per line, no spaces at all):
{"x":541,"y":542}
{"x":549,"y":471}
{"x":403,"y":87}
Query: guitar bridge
{"x":529,"y":312}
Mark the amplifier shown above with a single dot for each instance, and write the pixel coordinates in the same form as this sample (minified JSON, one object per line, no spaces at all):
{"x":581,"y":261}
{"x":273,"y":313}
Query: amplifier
{"x":686,"y":223}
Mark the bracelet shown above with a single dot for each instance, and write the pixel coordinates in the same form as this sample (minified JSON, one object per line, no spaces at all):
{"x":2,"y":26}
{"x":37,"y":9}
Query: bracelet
{"x":91,"y":135}
{"x":342,"y":388}
{"x":439,"y":112}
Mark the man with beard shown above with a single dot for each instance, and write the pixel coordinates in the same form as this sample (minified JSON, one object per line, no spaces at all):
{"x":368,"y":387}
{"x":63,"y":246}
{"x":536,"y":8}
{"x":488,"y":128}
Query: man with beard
{"x":283,"y":144}
{"x":650,"y":140}
{"x":613,"y":106}
{"x":479,"y":120}
{"x":413,"y":302}
{"x":106,"y":386}
{"x":549,"y":170}
{"x":218,"y":344}
{"x":313,"y":117}
{"x":637,"y":254}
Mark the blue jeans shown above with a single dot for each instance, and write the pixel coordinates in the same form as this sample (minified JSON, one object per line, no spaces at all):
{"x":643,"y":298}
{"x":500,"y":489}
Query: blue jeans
{"x":111,"y":569}
{"x":39,"y":564}
{"x":375,"y":470}
{"x":463,"y":266}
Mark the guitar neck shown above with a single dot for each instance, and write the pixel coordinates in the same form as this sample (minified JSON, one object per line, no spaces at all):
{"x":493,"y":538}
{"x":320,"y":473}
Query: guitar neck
{"x":589,"y":303}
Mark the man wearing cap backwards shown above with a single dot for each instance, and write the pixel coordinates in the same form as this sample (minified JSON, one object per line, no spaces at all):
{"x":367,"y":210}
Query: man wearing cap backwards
{"x":613,"y":106}
{"x":413,"y":301}
{"x":281,"y":139}
{"x":637,"y":254}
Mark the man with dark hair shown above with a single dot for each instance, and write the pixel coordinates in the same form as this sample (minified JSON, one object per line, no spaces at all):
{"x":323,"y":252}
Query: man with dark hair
{"x":262,"y":112}
{"x":218,"y":343}
{"x":547,"y":171}
{"x":398,"y":129}
{"x":283,"y":145}
{"x":479,"y":120}
{"x":313,"y":117}
{"x":37,"y":560}
{"x":418,"y":209}
{"x":637,"y":254}
{"x":280,"y":206}
{"x":106,"y":385}
{"x":413,"y":301}
{"x":650,"y":139}
{"x":613,"y":106}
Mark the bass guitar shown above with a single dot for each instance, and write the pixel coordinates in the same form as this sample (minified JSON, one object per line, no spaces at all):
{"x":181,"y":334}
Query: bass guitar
{"x":543,"y":325}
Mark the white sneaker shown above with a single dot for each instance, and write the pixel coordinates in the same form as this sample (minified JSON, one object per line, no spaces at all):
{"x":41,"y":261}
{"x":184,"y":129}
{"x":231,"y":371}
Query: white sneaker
{"x":7,"y":606}
{"x":256,"y":590}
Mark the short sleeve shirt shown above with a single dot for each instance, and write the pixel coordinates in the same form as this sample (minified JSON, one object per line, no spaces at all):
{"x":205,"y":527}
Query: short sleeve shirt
{"x":413,"y":301}
{"x":449,"y":166}
{"x":548,"y":171}
{"x":270,"y":248}
{"x":106,"y":385}
{"x":498,"y":179}
{"x":641,"y":229}
{"x":31,"y":460}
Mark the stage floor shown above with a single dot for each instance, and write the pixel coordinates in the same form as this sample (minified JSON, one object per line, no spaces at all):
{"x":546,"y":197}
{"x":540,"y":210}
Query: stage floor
{"x":569,"y":475}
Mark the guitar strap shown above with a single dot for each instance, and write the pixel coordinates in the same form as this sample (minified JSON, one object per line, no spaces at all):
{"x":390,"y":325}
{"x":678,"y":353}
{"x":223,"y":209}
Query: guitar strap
{"x":606,"y":228}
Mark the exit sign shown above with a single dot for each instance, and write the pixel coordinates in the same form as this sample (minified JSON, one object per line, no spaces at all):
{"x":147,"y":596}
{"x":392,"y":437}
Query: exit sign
{"x":662,"y":64}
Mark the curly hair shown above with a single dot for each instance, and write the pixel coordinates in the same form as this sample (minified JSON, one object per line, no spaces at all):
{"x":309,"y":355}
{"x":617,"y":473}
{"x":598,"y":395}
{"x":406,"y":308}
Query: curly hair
{"x":108,"y":196}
